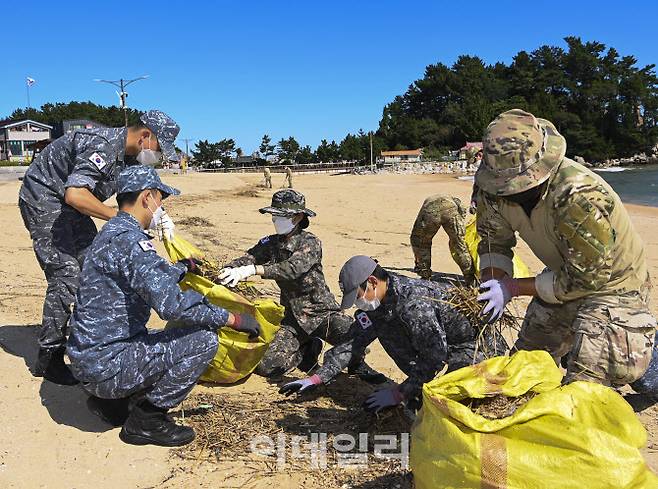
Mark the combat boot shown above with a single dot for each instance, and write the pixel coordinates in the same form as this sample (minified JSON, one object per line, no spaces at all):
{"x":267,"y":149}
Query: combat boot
{"x":50,"y":365}
{"x":366,"y":373}
{"x":150,"y":425}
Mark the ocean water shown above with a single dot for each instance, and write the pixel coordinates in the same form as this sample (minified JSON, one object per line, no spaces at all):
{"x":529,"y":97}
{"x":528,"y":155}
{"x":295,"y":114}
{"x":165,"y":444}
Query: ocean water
{"x":636,"y":185}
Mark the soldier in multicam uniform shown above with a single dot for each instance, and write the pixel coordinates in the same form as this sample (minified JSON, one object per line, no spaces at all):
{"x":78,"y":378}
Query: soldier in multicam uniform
{"x":413,"y":323}
{"x":268,"y":177}
{"x":590,"y":304}
{"x":112,"y":353}
{"x":287,"y":181}
{"x":65,"y":187}
{"x":293,"y":258}
{"x":437,"y":211}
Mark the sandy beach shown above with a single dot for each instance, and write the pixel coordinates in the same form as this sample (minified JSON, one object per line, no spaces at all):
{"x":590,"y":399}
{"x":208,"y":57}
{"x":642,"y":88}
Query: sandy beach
{"x":47,"y":436}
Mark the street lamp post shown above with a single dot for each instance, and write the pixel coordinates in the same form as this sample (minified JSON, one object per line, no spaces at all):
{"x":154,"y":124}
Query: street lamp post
{"x":121,"y":84}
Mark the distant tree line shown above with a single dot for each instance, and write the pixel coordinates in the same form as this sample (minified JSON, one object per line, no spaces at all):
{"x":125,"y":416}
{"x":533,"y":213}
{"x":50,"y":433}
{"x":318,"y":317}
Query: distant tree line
{"x":603,"y":103}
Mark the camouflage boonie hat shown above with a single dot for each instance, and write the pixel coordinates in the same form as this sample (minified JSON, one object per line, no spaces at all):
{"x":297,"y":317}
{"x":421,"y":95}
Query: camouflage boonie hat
{"x":520,"y":152}
{"x":287,"y":202}
{"x":165,"y":129}
{"x":136,"y":178}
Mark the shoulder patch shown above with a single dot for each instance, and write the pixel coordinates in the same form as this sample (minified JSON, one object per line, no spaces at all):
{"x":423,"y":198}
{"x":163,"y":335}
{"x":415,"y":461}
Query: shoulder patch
{"x":264,"y":240}
{"x":363,"y":320}
{"x":97,"y":160}
{"x":146,"y":245}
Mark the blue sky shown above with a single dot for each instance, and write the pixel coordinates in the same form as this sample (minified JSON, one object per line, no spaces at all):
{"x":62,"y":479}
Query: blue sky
{"x":304,"y":68}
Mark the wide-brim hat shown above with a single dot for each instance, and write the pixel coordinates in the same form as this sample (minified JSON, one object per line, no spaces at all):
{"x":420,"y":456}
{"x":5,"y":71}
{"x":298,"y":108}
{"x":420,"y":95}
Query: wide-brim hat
{"x":520,"y":151}
{"x":287,"y":203}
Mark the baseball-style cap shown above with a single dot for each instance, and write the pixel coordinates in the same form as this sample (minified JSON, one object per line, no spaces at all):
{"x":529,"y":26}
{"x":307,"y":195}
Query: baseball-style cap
{"x":165,"y":129}
{"x":355,"y":271}
{"x":140,"y":177}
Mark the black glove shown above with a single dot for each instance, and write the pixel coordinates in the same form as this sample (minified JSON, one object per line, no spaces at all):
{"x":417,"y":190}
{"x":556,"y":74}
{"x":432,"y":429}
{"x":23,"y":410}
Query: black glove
{"x":246,"y":324}
{"x":192,"y":264}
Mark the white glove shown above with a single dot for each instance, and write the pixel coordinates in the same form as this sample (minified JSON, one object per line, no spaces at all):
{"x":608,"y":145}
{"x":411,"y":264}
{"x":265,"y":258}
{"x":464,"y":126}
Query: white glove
{"x":231,"y":276}
{"x":164,"y":226}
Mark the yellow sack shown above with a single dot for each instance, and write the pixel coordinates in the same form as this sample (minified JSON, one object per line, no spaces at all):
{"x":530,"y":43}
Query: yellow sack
{"x":582,"y":435}
{"x":472,"y":239}
{"x":237,"y":356}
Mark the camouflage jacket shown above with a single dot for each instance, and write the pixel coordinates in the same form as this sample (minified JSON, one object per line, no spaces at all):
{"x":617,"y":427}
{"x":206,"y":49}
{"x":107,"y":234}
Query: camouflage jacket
{"x":296,"y":266}
{"x":579,"y":229}
{"x":91,"y":158}
{"x":121,"y":280}
{"x":413,"y":325}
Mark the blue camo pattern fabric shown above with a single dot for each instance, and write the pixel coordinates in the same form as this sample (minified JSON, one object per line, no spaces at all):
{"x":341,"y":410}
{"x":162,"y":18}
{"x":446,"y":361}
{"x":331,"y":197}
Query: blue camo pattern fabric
{"x":60,"y":234}
{"x":112,"y":353}
{"x":140,"y":177}
{"x":418,"y":330}
{"x":165,"y":129}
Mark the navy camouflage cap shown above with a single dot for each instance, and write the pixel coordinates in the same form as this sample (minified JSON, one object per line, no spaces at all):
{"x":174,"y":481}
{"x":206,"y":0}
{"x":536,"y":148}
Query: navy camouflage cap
{"x":140,"y":177}
{"x":165,"y":129}
{"x":287,"y":202}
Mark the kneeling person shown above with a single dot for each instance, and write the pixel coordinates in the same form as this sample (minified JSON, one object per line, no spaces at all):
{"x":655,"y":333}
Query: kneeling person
{"x":413,"y":323}
{"x":112,"y":353}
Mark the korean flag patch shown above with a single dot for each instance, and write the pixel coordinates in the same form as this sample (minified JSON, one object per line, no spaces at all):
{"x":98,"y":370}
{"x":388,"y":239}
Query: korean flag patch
{"x":265,"y":240}
{"x":363,"y":320}
{"x":146,"y":245}
{"x":97,"y":160}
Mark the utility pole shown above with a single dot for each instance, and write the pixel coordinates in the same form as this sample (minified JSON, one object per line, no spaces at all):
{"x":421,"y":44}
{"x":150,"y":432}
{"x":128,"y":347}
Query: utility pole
{"x":187,"y":140}
{"x":372,"y":167}
{"x":121,"y":84}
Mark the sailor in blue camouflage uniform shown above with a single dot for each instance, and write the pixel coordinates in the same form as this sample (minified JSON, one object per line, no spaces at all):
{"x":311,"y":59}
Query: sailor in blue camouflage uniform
{"x":293,"y":258}
{"x":112,"y":353}
{"x":414,"y":325}
{"x":62,"y":190}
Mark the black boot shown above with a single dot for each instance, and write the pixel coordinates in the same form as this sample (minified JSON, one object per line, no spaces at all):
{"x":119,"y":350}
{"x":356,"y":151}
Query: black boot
{"x":366,"y":373}
{"x":150,"y":425}
{"x":311,"y":355}
{"x":112,"y":411}
{"x":50,"y":365}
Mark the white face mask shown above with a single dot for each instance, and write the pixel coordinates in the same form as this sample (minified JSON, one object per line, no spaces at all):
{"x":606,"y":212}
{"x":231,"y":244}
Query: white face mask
{"x":365,"y":304}
{"x":283,"y":225}
{"x":148,"y":156}
{"x":156,"y":216}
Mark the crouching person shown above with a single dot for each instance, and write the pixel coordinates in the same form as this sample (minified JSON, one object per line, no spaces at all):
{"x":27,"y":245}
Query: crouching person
{"x":133,"y":375}
{"x":414,"y":325}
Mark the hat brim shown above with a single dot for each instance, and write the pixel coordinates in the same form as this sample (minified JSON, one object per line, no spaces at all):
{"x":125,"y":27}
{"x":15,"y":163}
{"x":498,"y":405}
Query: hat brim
{"x":349,"y":298}
{"x":168,"y":150}
{"x":277,"y":211}
{"x":556,"y":148}
{"x":167,"y":190}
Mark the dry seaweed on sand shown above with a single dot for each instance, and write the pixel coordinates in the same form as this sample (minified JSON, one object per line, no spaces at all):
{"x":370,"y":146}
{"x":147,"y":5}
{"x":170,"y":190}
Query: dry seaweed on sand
{"x":194,"y":221}
{"x":211,"y":269}
{"x":498,"y":406}
{"x":226,"y":425}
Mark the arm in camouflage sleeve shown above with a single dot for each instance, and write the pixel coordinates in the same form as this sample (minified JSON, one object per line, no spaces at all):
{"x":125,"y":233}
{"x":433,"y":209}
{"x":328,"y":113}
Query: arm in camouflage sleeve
{"x":587,"y":240}
{"x":340,"y":356}
{"x":497,"y":236}
{"x":299,"y":263}
{"x":156,"y":282}
{"x":257,"y":255}
{"x":456,"y":233}
{"x":428,"y":337}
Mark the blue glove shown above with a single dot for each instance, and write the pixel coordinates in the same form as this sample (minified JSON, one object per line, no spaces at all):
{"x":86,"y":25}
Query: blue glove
{"x":383,"y":399}
{"x":496,"y":293}
{"x":300,"y":386}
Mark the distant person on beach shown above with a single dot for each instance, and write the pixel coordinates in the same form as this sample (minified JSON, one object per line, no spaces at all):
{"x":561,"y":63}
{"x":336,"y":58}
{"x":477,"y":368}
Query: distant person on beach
{"x":590,"y":305}
{"x":441,"y":211}
{"x":287,"y":180}
{"x":268,"y":177}
{"x":63,"y":188}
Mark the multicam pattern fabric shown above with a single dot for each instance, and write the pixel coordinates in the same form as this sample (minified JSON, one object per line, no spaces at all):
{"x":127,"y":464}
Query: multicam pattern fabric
{"x":440,"y":211}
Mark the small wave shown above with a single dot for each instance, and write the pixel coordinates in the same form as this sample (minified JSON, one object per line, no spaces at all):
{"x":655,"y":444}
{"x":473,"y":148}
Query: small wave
{"x":612,"y":169}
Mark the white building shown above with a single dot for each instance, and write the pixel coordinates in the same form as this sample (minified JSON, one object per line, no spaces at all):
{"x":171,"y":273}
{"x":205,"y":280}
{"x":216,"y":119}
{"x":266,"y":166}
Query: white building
{"x":403,"y":156}
{"x":16,"y":136}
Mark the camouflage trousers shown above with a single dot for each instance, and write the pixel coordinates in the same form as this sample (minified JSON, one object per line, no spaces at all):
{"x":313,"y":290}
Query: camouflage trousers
{"x":268,"y":182}
{"x":425,"y":228}
{"x":60,"y":240}
{"x":162,"y":366}
{"x":648,"y":383}
{"x":606,"y":339}
{"x":291,"y":343}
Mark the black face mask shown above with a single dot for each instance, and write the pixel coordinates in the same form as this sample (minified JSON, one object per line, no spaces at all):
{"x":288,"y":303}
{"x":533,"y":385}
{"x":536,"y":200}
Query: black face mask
{"x":528,"y":199}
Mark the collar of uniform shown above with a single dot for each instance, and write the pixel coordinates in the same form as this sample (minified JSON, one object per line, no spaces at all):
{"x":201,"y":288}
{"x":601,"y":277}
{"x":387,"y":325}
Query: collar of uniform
{"x":290,"y":244}
{"x":128,"y":221}
{"x":392,"y":286}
